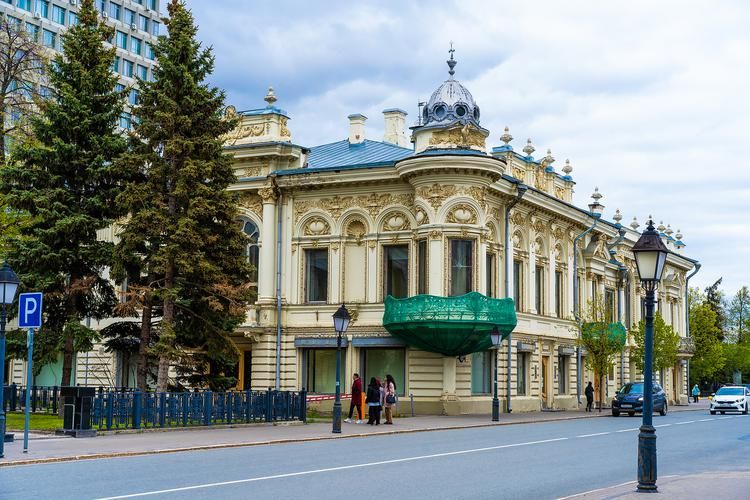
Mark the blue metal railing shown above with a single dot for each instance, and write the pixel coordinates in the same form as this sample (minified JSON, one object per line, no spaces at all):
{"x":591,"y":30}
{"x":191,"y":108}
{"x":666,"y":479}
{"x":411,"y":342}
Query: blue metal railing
{"x":44,"y":399}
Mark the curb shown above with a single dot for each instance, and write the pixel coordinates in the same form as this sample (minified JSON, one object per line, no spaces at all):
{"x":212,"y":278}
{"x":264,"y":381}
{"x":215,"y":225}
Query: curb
{"x":209,"y":447}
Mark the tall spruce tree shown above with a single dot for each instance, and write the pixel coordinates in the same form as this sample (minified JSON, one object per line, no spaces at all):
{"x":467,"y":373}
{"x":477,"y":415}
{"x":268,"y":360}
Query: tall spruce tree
{"x":67,"y":182}
{"x":182,"y":229}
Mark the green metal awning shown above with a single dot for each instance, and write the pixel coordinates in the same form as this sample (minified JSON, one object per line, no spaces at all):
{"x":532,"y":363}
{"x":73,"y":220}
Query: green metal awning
{"x":453,"y":326}
{"x":615,"y":331}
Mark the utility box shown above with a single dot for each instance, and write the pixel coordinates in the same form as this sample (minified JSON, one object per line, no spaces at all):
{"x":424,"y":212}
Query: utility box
{"x":77,"y":405}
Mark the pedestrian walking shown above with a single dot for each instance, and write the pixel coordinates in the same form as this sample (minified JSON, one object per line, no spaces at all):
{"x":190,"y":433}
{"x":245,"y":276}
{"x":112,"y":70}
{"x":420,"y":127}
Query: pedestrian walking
{"x":589,"y":396}
{"x":356,"y":399}
{"x":390,"y":398}
{"x":373,"y":402}
{"x":696,"y":393}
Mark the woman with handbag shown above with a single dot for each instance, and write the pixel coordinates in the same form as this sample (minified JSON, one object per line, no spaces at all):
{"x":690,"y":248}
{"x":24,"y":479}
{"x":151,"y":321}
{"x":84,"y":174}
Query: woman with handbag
{"x":390,"y":398}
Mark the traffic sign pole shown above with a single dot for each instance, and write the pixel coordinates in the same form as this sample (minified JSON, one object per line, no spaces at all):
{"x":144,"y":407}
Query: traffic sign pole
{"x":27,"y":407}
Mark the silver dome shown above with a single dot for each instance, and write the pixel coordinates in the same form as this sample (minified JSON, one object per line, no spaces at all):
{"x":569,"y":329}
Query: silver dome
{"x":450,"y":103}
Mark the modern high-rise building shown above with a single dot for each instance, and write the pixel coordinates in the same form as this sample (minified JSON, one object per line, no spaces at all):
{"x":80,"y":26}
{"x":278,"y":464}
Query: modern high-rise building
{"x":137,"y":25}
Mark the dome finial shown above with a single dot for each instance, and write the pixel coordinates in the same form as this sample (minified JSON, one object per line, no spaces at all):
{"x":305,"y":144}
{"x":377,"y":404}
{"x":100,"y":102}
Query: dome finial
{"x":451,"y":62}
{"x":506,"y":137}
{"x":270,"y":97}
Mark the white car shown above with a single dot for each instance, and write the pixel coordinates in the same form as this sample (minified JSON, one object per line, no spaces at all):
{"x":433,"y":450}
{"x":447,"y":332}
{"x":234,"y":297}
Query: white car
{"x":731,"y":398}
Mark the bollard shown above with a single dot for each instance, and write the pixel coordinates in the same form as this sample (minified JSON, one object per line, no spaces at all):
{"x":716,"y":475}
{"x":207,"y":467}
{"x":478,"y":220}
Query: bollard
{"x":137,"y":404}
{"x":411,"y":398}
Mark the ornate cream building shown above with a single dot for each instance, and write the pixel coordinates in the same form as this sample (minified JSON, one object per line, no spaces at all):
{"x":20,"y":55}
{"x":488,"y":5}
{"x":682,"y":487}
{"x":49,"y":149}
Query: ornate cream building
{"x":356,"y":220}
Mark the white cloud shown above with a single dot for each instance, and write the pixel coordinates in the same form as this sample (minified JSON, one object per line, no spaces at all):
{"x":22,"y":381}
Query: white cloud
{"x":647,"y":99}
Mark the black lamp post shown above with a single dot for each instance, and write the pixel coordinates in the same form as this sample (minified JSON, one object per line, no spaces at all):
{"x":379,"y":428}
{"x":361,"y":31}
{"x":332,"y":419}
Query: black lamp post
{"x":650,"y":256}
{"x":496,"y":339}
{"x":341,"y":320}
{"x":8,"y":287}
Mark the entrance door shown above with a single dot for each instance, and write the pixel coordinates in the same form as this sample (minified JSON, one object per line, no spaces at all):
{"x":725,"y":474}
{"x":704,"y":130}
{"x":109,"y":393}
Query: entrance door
{"x":247,"y":369}
{"x":545,"y":377}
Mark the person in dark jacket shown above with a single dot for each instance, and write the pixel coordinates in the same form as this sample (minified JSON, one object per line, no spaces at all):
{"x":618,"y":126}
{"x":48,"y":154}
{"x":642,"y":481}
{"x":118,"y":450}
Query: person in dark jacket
{"x":589,"y":396}
{"x":356,"y":399}
{"x":373,"y":402}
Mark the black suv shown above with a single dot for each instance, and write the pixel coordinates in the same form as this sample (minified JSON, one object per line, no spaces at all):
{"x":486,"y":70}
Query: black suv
{"x":629,"y":399}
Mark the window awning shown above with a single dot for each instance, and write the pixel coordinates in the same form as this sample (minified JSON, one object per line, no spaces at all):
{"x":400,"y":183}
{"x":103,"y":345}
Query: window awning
{"x":453,"y":326}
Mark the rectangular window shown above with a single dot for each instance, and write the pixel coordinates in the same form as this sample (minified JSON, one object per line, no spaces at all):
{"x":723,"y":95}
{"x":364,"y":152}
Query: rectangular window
{"x":133,"y":97}
{"x":490,"y":275}
{"x":152,"y":4}
{"x":121,"y":40}
{"x":379,"y":362}
{"x":58,"y":14}
{"x":522,"y":367}
{"x":155,"y":25}
{"x":116,"y":64}
{"x":143,"y":23}
{"x":594,"y":291}
{"x":142,"y":72}
{"x":320,"y":368}
{"x":517,"y":283}
{"x":609,"y":305}
{"x":559,"y":288}
{"x":45,"y":92}
{"x":33,"y":31}
{"x":125,"y":121}
{"x":422,"y":267}
{"x":129,"y":17}
{"x":316,"y":275}
{"x":127,"y":68}
{"x":49,"y":38}
{"x":135,"y":45}
{"x":150,"y":52}
{"x":562,"y":375}
{"x":119,"y":87}
{"x":396,"y":271}
{"x":114,"y":10}
{"x":24,"y":4}
{"x":628,"y":311}
{"x":462,"y":270}
{"x":539,"y":290}
{"x":481,"y":372}
{"x":72,"y":19}
{"x":42,"y":7}
{"x":102,"y":5}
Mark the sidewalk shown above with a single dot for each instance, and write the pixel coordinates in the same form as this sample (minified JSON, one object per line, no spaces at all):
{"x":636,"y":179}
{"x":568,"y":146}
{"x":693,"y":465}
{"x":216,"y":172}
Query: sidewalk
{"x":46,"y":448}
{"x":733,"y":484}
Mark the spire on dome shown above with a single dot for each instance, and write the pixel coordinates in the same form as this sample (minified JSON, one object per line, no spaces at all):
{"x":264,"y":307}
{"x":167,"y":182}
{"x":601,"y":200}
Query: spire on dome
{"x":451,"y":62}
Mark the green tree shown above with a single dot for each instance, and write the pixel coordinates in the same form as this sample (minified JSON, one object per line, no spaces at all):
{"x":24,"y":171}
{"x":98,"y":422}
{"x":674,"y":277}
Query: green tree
{"x":738,"y":316}
{"x":715,"y":299}
{"x":67,"y":182}
{"x":181,"y":231}
{"x":602,"y":340}
{"x":709,"y":357}
{"x":666,"y":344}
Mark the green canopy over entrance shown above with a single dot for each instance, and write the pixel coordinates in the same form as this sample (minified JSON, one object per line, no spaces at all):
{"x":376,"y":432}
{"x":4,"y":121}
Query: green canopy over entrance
{"x":453,"y":326}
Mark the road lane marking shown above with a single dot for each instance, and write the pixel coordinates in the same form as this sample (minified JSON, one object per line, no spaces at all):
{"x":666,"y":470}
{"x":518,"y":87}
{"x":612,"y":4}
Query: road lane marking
{"x":627,"y":430}
{"x":706,"y":419}
{"x":724,"y":418}
{"x":332,"y":469}
{"x":662,"y":425}
{"x":686,"y":422}
{"x":592,"y":435}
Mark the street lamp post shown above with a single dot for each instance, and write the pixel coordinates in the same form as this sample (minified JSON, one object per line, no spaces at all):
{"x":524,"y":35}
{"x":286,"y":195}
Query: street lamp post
{"x":341,"y":320}
{"x":650,"y":256}
{"x":496,"y":339}
{"x":8,"y":287}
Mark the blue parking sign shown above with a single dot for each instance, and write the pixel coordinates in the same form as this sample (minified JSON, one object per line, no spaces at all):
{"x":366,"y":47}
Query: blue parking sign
{"x":30,"y":310}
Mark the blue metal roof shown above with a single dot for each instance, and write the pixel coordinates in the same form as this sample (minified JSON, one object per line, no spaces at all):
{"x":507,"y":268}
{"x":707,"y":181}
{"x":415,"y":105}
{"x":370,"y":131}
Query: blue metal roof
{"x":341,"y":153}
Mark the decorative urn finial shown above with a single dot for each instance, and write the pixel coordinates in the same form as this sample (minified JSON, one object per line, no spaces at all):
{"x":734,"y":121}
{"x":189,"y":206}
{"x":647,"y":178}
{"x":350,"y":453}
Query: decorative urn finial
{"x":528,"y":148}
{"x":634,"y":224}
{"x":617,"y":217}
{"x":568,"y":168}
{"x":270,"y":97}
{"x":506,"y":137}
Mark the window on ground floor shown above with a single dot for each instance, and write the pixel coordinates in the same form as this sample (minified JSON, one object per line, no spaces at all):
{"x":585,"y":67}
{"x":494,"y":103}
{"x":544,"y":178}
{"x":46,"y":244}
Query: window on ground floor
{"x":562,"y":375}
{"x":481,"y":372}
{"x":320,"y":370}
{"x":381,"y":361}
{"x":522,"y":373}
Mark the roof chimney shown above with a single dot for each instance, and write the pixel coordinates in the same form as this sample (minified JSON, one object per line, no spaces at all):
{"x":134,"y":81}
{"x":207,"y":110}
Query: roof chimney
{"x":357,"y":128}
{"x":395,"y":124}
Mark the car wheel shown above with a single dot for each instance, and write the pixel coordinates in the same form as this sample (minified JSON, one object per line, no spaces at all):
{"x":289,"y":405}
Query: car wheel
{"x":713,"y":412}
{"x":721,"y":412}
{"x":616,"y":413}
{"x":631,"y":414}
{"x":663,"y":410}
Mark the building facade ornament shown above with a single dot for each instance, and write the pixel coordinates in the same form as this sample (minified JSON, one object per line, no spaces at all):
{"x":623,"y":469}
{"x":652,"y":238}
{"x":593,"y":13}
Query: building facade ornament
{"x":462,"y":214}
{"x":316,"y":226}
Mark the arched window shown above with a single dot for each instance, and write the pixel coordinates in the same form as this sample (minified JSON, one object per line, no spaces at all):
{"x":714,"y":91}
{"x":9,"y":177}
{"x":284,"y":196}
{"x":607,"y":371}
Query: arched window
{"x":252,"y":250}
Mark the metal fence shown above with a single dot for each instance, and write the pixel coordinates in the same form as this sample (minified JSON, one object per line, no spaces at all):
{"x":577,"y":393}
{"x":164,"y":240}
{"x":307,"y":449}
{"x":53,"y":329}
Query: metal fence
{"x":133,"y":409}
{"x":44,"y":399}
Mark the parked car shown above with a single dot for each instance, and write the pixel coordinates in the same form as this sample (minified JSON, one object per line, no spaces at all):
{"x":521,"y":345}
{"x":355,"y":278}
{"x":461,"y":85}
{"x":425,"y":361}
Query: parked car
{"x":731,"y":398}
{"x":629,"y":399}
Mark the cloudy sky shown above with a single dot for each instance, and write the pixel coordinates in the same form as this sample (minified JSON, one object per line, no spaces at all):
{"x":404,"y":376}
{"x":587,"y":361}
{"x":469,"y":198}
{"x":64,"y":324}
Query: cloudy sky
{"x":648,"y":100}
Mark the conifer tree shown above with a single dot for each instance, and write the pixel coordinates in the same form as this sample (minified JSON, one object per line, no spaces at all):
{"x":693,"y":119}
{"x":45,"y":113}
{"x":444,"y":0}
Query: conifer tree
{"x":181,"y":230}
{"x":66,"y":181}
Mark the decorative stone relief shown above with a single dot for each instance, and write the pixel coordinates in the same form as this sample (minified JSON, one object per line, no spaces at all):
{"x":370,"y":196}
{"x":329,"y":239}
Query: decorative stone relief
{"x":396,"y":222}
{"x":316,"y":226}
{"x":559,"y":193}
{"x":539,"y":181}
{"x":601,"y":248}
{"x":489,"y":233}
{"x":518,"y":219}
{"x":356,"y":229}
{"x":435,"y":234}
{"x":436,"y":194}
{"x":517,"y":239}
{"x":251,"y":202}
{"x":518,"y":173}
{"x":462,"y":214}
{"x":558,"y":253}
{"x":421,"y":216}
{"x":374,"y":203}
{"x":268,"y":194}
{"x":466,"y":136}
{"x":283,"y":131}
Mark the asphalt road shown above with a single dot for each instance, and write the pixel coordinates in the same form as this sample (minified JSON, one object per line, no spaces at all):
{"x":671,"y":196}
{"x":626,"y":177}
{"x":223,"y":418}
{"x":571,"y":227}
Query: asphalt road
{"x":545,"y":460}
